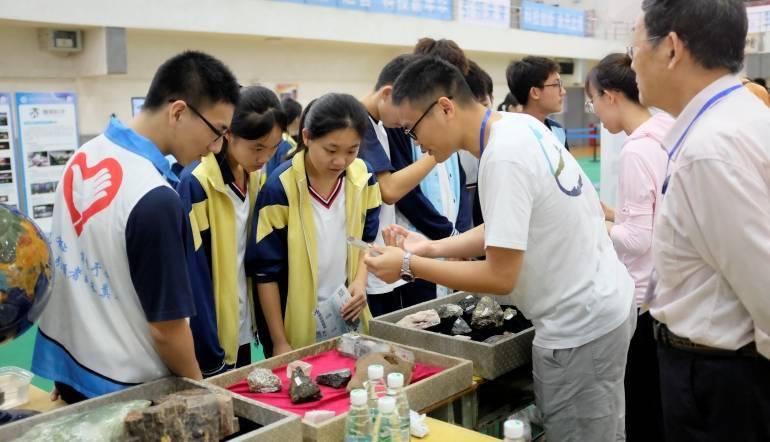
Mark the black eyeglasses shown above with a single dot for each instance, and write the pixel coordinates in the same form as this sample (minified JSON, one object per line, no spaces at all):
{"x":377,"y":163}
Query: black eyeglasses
{"x":216,"y":131}
{"x":558,"y":83}
{"x":411,"y":132}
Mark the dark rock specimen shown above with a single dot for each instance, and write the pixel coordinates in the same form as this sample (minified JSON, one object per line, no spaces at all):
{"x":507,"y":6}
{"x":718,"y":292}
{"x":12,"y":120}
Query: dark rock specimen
{"x":460,"y":327}
{"x":302,"y":389}
{"x":487,"y":315}
{"x":335,"y":379}
{"x":449,"y":311}
{"x":468,"y":304}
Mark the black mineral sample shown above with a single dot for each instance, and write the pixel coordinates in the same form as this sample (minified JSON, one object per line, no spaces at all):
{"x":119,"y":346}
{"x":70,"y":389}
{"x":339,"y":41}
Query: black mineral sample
{"x":335,"y":379}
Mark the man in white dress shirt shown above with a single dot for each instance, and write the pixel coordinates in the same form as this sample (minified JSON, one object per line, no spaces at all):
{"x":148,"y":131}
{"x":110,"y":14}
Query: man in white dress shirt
{"x":711,"y":241}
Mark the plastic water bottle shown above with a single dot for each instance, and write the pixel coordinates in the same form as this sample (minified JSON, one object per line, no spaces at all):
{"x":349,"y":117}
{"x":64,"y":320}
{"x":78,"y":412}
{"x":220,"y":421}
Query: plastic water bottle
{"x":375,"y":386}
{"x":387,"y":425}
{"x":358,"y":425}
{"x":396,"y":390}
{"x":513,"y":430}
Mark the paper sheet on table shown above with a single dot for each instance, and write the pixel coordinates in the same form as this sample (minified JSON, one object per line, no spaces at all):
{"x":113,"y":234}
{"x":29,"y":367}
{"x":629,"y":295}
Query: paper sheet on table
{"x":329,"y":321}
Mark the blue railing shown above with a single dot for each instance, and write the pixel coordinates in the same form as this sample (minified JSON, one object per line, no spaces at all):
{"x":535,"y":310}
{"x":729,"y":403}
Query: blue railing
{"x":586,"y":134}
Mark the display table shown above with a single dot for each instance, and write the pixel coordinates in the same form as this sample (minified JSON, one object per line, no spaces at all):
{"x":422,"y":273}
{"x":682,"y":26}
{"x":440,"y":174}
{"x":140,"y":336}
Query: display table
{"x":40,"y":400}
{"x":441,"y":431}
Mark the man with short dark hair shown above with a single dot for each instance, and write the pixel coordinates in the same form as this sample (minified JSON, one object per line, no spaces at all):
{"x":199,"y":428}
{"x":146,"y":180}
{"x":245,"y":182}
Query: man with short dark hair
{"x":536,"y":84}
{"x":122,"y":300}
{"x":399,"y":174}
{"x":569,"y":282}
{"x":711,"y":239}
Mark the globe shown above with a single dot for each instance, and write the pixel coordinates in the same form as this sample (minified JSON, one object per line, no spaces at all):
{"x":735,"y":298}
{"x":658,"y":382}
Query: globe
{"x":25,"y":272}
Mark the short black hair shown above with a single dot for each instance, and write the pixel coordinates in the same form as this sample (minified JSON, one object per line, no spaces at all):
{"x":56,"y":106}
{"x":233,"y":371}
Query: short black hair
{"x":429,"y":78}
{"x":195,"y":77}
{"x":257,"y":113}
{"x":479,"y":81}
{"x":510,"y":100}
{"x":760,"y":81}
{"x":393,"y":69}
{"x":527,"y":73}
{"x":614,"y":73}
{"x":291,"y":108}
{"x":714,"y":31}
{"x":444,"y":49}
{"x":332,"y":112}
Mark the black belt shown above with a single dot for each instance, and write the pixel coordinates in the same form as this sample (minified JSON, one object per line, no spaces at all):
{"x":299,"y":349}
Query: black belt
{"x":664,"y":336}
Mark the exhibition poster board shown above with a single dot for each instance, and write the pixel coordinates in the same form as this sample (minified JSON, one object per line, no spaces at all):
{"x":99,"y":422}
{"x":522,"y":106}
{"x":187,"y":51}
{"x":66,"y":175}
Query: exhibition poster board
{"x":48,"y":137}
{"x":9,"y":172}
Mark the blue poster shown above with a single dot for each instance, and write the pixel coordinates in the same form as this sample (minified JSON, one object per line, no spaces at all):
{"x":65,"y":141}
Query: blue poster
{"x":48,"y":137}
{"x":553,"y":19}
{"x":432,"y":9}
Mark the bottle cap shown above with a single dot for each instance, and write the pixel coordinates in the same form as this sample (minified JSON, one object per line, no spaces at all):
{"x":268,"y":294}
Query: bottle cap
{"x":386,"y":404}
{"x":358,"y":397}
{"x":513,"y":429}
{"x":376,"y":371}
{"x":395,"y":380}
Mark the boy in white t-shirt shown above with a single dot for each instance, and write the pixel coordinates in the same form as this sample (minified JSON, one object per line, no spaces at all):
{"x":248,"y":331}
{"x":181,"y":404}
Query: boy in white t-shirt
{"x":565,"y":277}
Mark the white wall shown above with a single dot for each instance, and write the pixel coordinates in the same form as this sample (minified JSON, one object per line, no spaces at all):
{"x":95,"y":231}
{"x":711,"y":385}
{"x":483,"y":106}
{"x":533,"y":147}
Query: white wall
{"x":318,"y":67}
{"x":288,"y":20}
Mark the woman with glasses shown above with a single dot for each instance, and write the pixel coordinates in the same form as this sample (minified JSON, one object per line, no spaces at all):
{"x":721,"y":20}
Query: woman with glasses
{"x":309,"y":207}
{"x":219,"y":193}
{"x":614,"y":97}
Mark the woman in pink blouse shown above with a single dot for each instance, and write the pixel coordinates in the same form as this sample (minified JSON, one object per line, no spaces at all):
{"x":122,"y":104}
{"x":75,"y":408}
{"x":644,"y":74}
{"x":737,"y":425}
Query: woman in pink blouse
{"x":614,"y":97}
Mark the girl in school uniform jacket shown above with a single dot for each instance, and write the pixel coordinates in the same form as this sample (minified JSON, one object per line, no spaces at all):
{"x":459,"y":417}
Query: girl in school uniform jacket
{"x":219,"y":193}
{"x":284,"y":250}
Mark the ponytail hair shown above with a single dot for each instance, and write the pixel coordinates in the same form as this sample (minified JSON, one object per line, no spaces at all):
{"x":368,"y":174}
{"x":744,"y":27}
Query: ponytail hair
{"x":444,"y":49}
{"x":257,"y":113}
{"x":329,"y":113}
{"x":614,"y":73}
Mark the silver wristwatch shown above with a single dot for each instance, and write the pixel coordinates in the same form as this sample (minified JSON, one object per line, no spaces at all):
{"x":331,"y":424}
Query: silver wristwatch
{"x":406,"y":271}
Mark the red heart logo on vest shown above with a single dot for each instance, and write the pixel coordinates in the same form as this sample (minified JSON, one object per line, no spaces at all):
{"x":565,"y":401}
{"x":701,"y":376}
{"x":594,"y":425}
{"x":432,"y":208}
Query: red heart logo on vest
{"x":95,"y":187}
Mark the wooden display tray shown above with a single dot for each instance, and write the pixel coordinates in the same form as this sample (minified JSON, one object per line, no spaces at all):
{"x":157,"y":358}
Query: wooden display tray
{"x":456,"y":376}
{"x":489,"y":360}
{"x":277,"y":425}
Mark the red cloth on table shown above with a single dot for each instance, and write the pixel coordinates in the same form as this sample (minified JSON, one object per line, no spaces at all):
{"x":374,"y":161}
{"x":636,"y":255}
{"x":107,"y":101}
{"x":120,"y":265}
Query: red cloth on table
{"x":336,"y":400}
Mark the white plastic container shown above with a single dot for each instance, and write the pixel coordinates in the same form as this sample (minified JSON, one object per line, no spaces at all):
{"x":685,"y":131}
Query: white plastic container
{"x":14,"y":387}
{"x":513,"y":431}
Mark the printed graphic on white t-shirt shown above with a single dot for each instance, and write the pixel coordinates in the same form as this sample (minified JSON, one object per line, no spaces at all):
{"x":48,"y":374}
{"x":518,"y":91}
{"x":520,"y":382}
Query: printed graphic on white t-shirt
{"x":536,"y":198}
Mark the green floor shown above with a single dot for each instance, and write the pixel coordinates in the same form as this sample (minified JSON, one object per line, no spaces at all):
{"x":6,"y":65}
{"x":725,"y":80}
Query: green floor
{"x":591,"y":168}
{"x":19,"y":352}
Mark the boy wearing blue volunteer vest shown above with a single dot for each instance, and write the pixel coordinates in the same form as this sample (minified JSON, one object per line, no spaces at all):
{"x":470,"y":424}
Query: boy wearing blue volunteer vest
{"x":122,"y":294}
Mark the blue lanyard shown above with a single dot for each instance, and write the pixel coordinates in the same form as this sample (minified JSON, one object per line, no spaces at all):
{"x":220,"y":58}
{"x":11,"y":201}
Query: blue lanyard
{"x":483,"y":131}
{"x":712,"y":101}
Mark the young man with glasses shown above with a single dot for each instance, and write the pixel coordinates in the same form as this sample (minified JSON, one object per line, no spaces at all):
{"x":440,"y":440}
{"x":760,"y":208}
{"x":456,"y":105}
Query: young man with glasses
{"x":119,"y":316}
{"x":569,"y":282}
{"x":711,"y":237}
{"x":535,"y":82}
